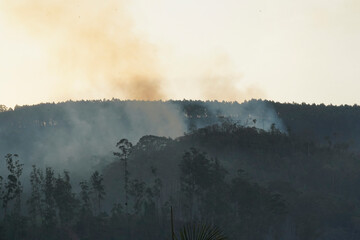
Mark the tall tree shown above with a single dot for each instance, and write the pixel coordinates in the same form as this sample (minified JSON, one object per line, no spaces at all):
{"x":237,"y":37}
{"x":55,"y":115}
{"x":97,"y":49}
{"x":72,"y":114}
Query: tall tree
{"x":65,"y":198}
{"x":153,"y":195}
{"x":195,"y":176}
{"x":14,"y":224}
{"x":49,"y":220}
{"x":35,"y":201}
{"x":125,"y":148}
{"x":85,"y":193}
{"x":136,"y":190}
{"x":98,"y":188}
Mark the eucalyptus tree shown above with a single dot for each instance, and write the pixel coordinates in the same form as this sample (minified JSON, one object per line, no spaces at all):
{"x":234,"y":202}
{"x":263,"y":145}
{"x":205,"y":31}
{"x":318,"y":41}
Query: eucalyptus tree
{"x":125,"y":147}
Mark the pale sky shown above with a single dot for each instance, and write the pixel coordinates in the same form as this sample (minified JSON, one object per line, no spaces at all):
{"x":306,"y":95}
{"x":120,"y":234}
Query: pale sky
{"x":299,"y":50}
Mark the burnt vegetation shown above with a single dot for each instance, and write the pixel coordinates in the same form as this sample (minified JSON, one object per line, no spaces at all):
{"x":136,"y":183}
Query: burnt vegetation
{"x":223,"y":177}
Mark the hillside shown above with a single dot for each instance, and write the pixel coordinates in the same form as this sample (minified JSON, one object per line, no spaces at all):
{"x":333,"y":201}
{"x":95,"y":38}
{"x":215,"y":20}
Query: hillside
{"x":252,"y":169}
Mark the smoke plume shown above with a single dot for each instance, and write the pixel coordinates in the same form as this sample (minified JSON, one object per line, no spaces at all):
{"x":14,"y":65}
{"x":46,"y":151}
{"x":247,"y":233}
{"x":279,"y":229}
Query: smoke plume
{"x":92,"y":51}
{"x":91,"y":47}
{"x":220,"y":81}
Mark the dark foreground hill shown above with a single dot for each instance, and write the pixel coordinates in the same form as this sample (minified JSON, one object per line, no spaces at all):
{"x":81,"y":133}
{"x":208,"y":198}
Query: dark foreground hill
{"x":255,"y":184}
{"x":251,"y":183}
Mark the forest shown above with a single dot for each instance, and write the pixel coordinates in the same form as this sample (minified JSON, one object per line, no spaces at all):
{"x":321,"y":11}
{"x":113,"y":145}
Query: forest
{"x":258,"y":170}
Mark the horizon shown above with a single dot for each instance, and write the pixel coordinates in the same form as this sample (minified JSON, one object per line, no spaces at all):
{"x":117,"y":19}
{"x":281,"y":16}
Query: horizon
{"x":172,"y":100}
{"x":298,"y":51}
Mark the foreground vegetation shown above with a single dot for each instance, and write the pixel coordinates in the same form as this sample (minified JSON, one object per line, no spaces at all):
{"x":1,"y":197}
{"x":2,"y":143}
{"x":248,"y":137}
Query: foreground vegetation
{"x":251,"y":183}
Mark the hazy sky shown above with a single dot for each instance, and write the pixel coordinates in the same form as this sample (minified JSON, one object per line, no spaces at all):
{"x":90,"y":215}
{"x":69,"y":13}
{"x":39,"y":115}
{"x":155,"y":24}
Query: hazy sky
{"x":299,"y":50}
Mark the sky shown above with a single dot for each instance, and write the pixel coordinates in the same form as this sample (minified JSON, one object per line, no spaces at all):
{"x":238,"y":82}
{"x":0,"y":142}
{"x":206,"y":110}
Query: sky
{"x":232,"y":50}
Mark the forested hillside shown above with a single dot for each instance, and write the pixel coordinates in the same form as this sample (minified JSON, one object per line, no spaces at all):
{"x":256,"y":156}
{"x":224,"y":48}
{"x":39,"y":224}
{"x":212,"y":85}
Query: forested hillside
{"x":252,"y":169}
{"x":338,"y":124}
{"x":327,"y":123}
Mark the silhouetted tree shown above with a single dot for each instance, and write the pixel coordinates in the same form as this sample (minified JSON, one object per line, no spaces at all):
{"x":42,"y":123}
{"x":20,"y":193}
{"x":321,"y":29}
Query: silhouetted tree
{"x":195,"y":178}
{"x":125,"y":148}
{"x":35,"y":202}
{"x":85,"y":197}
{"x":13,"y":187}
{"x":98,"y":189}
{"x":137,"y":191}
{"x":49,"y":220}
{"x":65,"y":199}
{"x":14,"y":223}
{"x":153,"y":192}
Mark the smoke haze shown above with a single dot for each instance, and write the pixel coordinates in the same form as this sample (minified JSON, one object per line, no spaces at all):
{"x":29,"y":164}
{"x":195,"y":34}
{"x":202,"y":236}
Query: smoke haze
{"x":91,"y":50}
{"x":220,"y":81}
{"x":81,"y":136}
{"x":91,"y":47}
